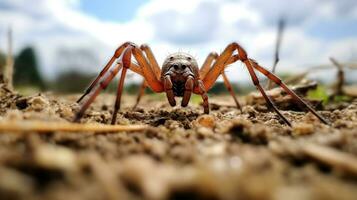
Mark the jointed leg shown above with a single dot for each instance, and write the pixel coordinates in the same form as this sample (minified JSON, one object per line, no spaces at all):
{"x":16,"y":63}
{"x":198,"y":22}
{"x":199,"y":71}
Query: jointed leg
{"x":259,"y":87}
{"x":103,"y":83}
{"x":116,"y":55}
{"x":202,"y":91}
{"x":230,"y":89}
{"x":206,"y":67}
{"x":278,"y":81}
{"x":151,"y":58}
{"x":124,"y":52}
{"x":126,"y":60}
{"x":141,"y":93}
{"x":226,"y":58}
{"x":207,"y":64}
{"x":155,"y":67}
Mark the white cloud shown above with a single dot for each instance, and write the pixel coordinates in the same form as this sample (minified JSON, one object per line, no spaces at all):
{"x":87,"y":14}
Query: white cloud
{"x":197,"y":26}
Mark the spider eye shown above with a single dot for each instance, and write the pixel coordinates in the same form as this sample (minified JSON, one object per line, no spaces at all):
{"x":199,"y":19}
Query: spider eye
{"x":183,"y":66}
{"x":189,"y":58}
{"x":171,"y":57}
{"x":175,"y":66}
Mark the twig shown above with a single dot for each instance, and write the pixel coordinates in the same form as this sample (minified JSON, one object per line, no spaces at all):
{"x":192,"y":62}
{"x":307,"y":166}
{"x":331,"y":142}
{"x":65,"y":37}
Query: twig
{"x":340,"y":77}
{"x":281,"y":26}
{"x":9,"y":67}
{"x":45,"y":127}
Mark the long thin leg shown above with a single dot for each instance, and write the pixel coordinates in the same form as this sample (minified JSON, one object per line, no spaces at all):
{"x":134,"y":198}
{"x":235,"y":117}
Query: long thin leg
{"x":202,"y":91}
{"x":230,"y":89}
{"x":116,"y":55}
{"x":278,"y":81}
{"x":153,"y":82}
{"x":152,"y":60}
{"x":206,"y":67}
{"x":207,"y":64}
{"x":126,"y":60}
{"x":155,"y":67}
{"x":143,"y":68}
{"x":103,"y":83}
{"x":141,"y":93}
{"x":226,"y":58}
{"x":259,"y":87}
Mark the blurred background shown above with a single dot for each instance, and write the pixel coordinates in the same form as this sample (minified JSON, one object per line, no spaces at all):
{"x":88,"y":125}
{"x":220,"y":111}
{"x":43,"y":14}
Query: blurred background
{"x":61,"y":45}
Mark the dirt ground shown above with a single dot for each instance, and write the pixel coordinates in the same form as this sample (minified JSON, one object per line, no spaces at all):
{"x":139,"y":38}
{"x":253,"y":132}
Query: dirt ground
{"x":227,"y":154}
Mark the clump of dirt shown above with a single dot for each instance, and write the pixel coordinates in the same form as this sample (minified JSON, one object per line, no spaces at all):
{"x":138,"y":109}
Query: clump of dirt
{"x":228,"y":154}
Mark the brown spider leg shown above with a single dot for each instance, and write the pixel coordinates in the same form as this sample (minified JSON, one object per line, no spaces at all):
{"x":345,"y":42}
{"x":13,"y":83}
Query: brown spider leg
{"x":259,"y":87}
{"x":155,"y":67}
{"x":202,"y":91}
{"x":230,"y":89}
{"x":141,"y":93}
{"x":207,"y":64}
{"x":188,"y":91}
{"x":150,"y":56}
{"x":278,"y":81}
{"x":226,"y":57}
{"x":152,"y":81}
{"x":206,"y":67}
{"x":116,"y":55}
{"x":103,"y":83}
{"x":126,"y":60}
{"x":168,"y":89}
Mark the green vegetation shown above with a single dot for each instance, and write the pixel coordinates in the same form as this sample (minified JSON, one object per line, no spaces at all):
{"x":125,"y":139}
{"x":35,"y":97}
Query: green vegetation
{"x":26,"y":71}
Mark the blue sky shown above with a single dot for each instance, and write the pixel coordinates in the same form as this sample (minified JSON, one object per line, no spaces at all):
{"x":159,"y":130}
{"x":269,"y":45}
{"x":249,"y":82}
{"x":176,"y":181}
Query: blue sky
{"x":84,"y":33}
{"x":111,"y":10}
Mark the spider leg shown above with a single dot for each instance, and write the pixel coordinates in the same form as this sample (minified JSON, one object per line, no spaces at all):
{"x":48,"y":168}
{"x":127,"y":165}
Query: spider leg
{"x":150,"y":56}
{"x":207,"y":64}
{"x":278,"y":81}
{"x":206,"y":67}
{"x":147,"y":71}
{"x":141,"y":93}
{"x":231,"y":91}
{"x":116,"y":55}
{"x":260,"y":88}
{"x":155,"y":67}
{"x":126,"y":61}
{"x":103,"y":83}
{"x":124,"y":54}
{"x":202,"y":91}
{"x":226,"y":58}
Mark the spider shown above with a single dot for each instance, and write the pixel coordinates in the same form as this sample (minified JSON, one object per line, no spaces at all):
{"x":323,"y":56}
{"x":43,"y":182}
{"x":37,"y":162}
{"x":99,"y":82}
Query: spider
{"x":180,"y":76}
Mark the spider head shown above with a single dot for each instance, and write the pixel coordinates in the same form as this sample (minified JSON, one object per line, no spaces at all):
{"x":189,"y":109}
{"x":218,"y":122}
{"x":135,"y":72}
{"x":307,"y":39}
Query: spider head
{"x":180,"y":63}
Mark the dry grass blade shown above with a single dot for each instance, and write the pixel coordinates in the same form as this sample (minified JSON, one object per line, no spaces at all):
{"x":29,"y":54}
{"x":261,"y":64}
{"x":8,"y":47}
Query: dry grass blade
{"x":340,"y":77}
{"x":43,"y":127}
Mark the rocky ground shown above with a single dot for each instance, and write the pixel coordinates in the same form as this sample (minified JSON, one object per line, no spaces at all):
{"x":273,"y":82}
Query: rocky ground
{"x":183,"y":154}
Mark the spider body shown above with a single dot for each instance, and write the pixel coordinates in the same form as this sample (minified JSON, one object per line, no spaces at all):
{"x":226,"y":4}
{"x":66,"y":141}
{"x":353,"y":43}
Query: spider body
{"x":180,"y":76}
{"x":180,"y":73}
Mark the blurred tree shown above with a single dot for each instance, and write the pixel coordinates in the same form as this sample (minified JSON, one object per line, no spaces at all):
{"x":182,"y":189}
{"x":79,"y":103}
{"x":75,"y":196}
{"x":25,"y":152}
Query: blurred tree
{"x":26,"y":69}
{"x":72,"y":81}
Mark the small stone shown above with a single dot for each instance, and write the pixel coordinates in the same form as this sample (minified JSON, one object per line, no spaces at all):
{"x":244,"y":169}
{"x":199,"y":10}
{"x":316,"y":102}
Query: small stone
{"x":38,"y":103}
{"x":302,"y":129}
{"x":206,"y":121}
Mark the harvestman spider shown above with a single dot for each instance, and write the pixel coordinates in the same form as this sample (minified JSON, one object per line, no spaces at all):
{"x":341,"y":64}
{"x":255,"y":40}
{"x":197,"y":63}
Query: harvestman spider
{"x":180,"y":76}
